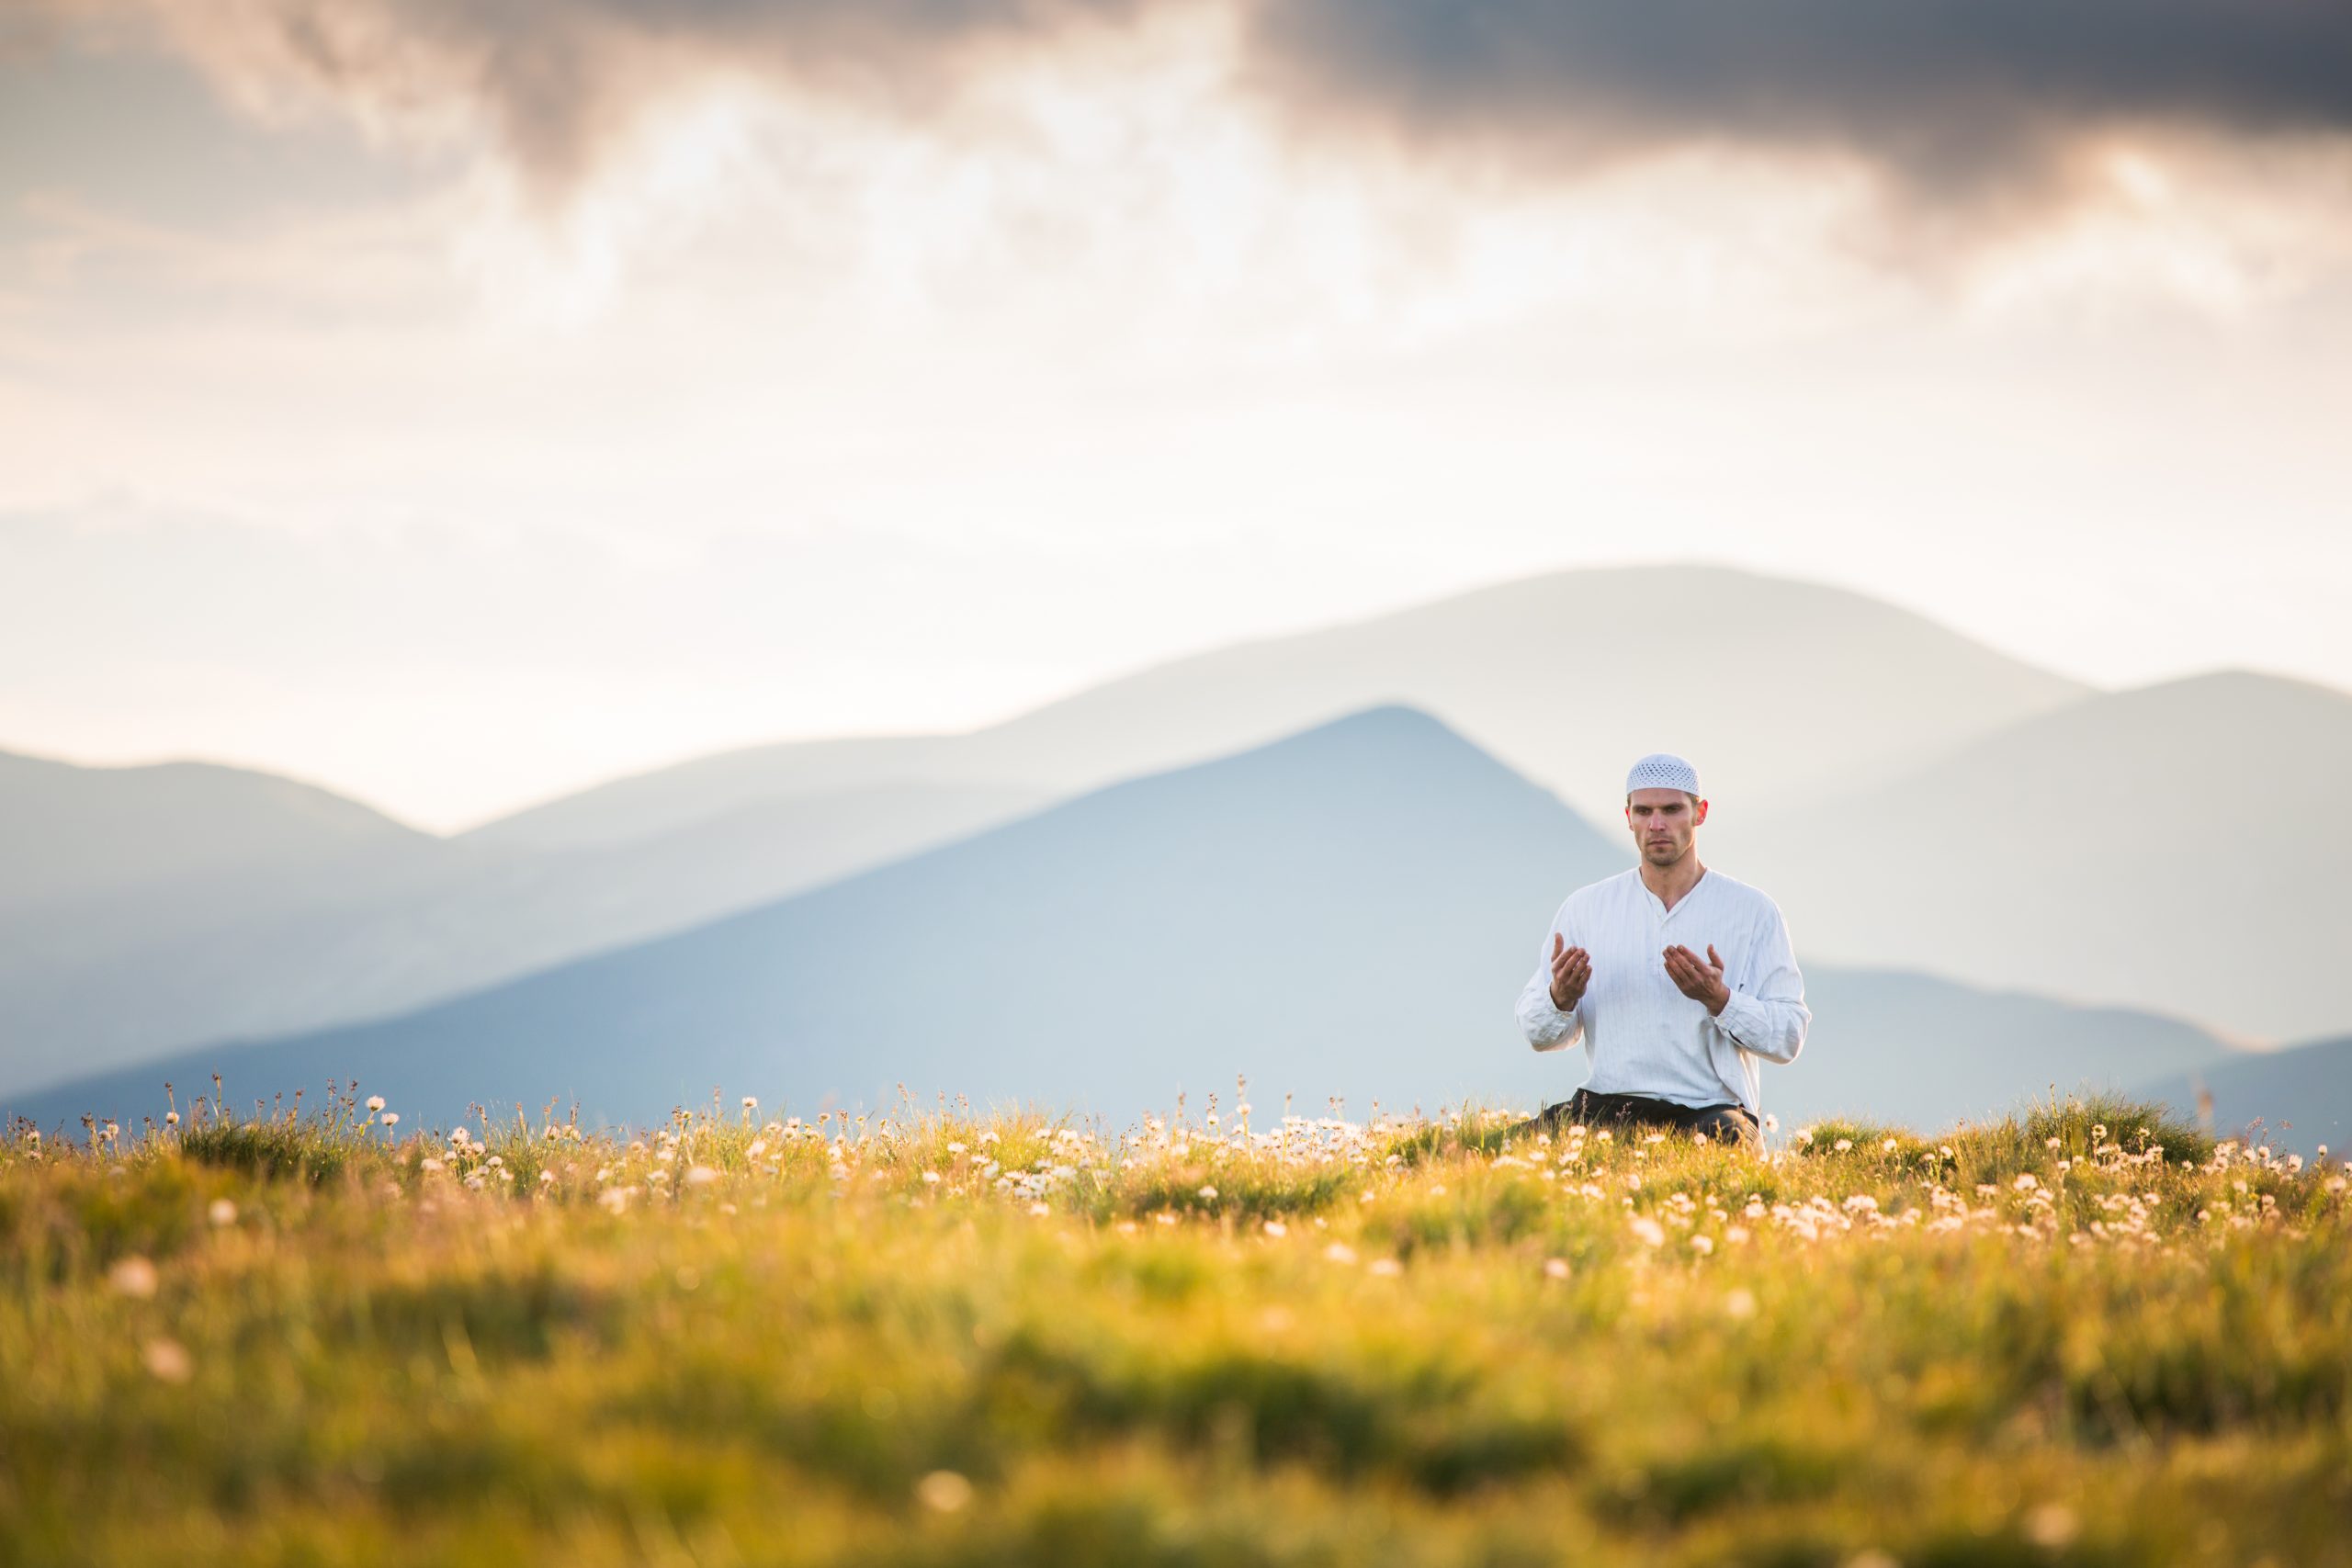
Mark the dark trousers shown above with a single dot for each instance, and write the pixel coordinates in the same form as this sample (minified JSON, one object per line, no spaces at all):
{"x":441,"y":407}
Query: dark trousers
{"x":1721,"y":1123}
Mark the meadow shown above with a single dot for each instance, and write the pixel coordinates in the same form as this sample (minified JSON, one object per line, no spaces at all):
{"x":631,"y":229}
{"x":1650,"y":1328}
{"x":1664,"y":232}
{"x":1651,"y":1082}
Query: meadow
{"x":2082,"y":1333}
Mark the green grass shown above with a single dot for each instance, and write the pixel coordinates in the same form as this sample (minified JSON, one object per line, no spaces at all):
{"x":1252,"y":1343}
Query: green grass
{"x":949,"y":1339}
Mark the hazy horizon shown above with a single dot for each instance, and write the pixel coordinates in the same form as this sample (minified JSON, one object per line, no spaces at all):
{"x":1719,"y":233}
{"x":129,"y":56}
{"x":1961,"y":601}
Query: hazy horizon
{"x":382,"y":412}
{"x":654,"y":762}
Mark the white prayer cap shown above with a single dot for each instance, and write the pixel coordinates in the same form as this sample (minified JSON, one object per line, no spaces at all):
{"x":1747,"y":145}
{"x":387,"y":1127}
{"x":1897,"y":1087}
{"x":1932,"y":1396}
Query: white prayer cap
{"x":1662,"y":770}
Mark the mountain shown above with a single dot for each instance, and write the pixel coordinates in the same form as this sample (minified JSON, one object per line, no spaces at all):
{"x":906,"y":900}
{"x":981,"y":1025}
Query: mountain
{"x":110,"y":979}
{"x":69,"y":832}
{"x":2175,"y":847}
{"x":2295,"y":1100}
{"x":1922,"y":1052}
{"x":141,"y":909}
{"x":1350,"y":911}
{"x":1774,"y":687}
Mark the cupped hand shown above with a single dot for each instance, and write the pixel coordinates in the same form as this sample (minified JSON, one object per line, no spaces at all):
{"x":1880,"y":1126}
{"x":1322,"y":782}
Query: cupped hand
{"x":1571,"y":973}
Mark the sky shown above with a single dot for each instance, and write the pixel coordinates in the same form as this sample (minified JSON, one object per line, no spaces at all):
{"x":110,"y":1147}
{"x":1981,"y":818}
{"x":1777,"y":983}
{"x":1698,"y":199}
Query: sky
{"x":455,"y":403}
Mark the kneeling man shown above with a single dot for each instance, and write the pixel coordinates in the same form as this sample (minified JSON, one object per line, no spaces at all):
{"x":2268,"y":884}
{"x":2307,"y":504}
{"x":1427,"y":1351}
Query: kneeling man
{"x":1677,"y":979}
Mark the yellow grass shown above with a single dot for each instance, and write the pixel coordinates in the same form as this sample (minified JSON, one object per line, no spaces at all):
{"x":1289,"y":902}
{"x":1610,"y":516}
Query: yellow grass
{"x":959,"y":1339}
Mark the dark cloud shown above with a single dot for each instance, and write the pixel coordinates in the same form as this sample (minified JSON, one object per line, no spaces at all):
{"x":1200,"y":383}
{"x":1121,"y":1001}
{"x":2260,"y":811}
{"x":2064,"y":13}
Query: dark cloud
{"x":1944,"y":93}
{"x":1948,"y":94}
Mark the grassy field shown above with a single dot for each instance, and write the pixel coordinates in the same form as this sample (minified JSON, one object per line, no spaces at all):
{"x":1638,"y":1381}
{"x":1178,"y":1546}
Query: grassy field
{"x":2080,"y":1336}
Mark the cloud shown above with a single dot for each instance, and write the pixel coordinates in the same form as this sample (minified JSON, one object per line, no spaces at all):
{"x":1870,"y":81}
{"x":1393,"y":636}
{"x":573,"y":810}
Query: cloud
{"x":1946,"y":95}
{"x":1969,"y":103}
{"x":556,"y":83}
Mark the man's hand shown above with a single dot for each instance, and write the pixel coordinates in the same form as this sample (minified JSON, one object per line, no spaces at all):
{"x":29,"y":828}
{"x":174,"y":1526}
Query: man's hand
{"x":1701,"y":979}
{"x":1571,"y":973}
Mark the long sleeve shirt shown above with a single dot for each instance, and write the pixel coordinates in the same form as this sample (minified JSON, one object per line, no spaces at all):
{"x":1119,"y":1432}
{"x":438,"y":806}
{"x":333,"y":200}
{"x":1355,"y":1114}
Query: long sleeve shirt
{"x":1640,"y":1034}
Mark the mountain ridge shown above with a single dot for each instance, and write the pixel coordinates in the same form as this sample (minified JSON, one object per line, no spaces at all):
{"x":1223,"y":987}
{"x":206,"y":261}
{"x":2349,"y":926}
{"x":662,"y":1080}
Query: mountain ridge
{"x":1352,"y":909}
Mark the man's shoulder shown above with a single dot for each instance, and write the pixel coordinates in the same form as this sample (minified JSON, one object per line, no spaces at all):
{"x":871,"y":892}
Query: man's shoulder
{"x":1607,"y":888}
{"x":1731,"y":890}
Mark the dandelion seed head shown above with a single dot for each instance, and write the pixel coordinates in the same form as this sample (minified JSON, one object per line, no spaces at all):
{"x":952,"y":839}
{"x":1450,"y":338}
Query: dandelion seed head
{"x":1702,"y":1245}
{"x":1841,"y":1146}
{"x":375,"y":1102}
{"x":167,"y":1360}
{"x":1740,"y":1302}
{"x":222,"y":1212}
{"x":2052,"y":1526}
{"x":134,"y":1277}
{"x":944,"y":1491}
{"x":1387,"y":1268}
{"x":392,"y":1118}
{"x":1555,"y":1268}
{"x":1649,"y":1229}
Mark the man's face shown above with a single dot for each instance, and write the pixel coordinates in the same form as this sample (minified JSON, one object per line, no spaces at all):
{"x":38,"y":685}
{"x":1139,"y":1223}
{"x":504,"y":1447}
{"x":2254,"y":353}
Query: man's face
{"x":1663,"y":822}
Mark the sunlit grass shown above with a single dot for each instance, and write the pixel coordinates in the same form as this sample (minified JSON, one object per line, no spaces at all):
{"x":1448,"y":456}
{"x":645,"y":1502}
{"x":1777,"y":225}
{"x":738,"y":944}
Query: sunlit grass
{"x":2082,"y":1333}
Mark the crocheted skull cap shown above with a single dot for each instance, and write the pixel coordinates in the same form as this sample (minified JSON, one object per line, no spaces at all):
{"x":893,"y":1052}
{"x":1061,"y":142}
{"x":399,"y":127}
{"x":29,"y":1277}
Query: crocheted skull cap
{"x":1662,"y":770}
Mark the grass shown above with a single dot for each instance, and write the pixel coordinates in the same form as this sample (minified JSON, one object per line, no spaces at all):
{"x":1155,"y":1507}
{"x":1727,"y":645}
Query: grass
{"x":949,"y":1339}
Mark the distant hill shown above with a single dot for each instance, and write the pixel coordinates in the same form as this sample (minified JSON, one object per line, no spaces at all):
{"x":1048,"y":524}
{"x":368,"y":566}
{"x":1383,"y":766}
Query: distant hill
{"x":2177,"y":847}
{"x":70,"y":832}
{"x":139,"y":912}
{"x":2300,"y":1098}
{"x":1923,"y":1052}
{"x":111,"y":979}
{"x":1564,"y":677}
{"x":1350,"y":911}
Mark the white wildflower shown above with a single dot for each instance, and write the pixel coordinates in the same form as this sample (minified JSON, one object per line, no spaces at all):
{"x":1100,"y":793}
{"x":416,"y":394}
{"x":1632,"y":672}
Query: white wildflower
{"x":222,"y":1212}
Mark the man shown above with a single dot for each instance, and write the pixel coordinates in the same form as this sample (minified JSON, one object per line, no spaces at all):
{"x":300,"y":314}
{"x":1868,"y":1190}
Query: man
{"x":1673,"y":1037}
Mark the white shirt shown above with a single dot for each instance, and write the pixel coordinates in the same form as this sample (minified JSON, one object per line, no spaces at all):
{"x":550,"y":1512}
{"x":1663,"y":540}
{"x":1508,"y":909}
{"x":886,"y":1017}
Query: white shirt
{"x":1640,"y":1035}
